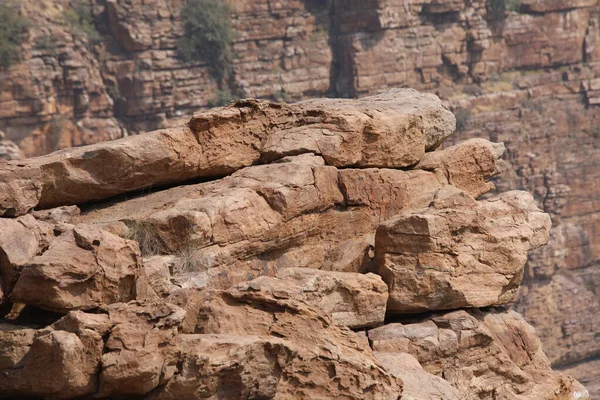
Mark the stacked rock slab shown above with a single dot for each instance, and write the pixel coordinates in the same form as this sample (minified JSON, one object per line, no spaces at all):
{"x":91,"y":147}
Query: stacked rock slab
{"x":281,"y":273}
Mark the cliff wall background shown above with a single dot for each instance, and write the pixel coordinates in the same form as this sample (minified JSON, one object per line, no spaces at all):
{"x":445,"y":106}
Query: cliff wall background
{"x":529,"y":78}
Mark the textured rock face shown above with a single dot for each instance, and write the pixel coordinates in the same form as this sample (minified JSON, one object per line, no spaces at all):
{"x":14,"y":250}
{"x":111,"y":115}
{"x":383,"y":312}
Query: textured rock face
{"x":72,"y":357}
{"x":248,"y":285}
{"x":528,"y":78}
{"x":83,"y":268}
{"x":290,"y":214}
{"x":498,"y":349}
{"x":404,"y":125}
{"x":459,"y":252}
{"x":418,"y":384}
{"x":352,"y":300}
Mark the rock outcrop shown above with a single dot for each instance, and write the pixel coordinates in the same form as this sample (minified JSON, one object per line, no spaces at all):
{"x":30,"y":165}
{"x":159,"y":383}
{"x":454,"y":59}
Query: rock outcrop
{"x":528,"y":77}
{"x":459,"y":253}
{"x":483,"y":355}
{"x":389,"y":130}
{"x":280,"y":275}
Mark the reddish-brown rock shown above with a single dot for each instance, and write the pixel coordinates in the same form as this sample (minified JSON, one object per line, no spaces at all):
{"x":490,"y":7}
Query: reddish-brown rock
{"x":528,"y":77}
{"x":418,"y":383}
{"x":48,"y":363}
{"x":459,"y":252}
{"x":350,"y":299}
{"x":255,"y":222}
{"x":483,"y":355}
{"x":84,"y":268}
{"x":467,"y":165}
{"x":331,"y":357}
{"x":21,"y":240}
{"x":388,"y":130}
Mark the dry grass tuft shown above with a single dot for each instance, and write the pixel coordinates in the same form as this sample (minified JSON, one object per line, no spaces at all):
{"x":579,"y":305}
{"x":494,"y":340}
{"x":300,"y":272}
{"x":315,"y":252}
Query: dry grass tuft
{"x":147,"y":236}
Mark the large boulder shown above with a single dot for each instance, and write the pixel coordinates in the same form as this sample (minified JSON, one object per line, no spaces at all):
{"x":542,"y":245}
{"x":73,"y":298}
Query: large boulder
{"x":459,"y":252}
{"x":393,"y":130}
{"x":84,"y":268}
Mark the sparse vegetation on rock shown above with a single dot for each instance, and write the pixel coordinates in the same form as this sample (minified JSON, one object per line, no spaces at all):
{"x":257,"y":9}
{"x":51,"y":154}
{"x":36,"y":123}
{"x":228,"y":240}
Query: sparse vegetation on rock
{"x":80,"y":21}
{"x":147,"y":236}
{"x":500,"y":7}
{"x":14,"y":30}
{"x":208,"y":35}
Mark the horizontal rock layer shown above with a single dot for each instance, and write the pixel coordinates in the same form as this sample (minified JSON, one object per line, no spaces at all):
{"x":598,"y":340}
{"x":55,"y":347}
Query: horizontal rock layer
{"x":388,"y":130}
{"x":529,"y":78}
{"x":248,"y":285}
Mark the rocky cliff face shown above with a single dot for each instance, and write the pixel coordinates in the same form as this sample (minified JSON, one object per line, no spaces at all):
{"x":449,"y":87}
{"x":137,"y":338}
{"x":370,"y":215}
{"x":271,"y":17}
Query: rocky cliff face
{"x":528,"y":78}
{"x":267,"y":262}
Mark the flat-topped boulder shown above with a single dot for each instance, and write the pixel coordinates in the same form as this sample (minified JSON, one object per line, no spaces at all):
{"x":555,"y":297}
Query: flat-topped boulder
{"x":391,"y":130}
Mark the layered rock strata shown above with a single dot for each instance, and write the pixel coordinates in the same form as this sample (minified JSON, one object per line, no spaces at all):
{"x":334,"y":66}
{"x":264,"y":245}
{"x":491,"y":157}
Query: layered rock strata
{"x":279,"y":279}
{"x":396,"y":133}
{"x":528,"y":77}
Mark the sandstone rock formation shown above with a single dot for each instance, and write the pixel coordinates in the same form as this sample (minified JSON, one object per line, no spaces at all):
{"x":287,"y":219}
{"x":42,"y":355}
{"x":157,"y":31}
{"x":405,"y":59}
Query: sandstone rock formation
{"x":483,"y":355}
{"x":264,"y":283}
{"x":397,"y":133}
{"x":528,"y":78}
{"x":459,"y":252}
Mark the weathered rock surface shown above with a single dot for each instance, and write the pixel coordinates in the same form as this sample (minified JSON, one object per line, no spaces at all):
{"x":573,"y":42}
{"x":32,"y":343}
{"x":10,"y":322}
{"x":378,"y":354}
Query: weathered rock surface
{"x":82,"y":268}
{"x":459,"y":252}
{"x":48,"y":363}
{"x":351,"y":299}
{"x":529,"y":78}
{"x":467,"y":165}
{"x":389,"y":130}
{"x":332,"y":358}
{"x":268,"y":217}
{"x":483,"y":355}
{"x":247,"y":285}
{"x":21,"y":239}
{"x":418,"y":384}
{"x":145,"y":355}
